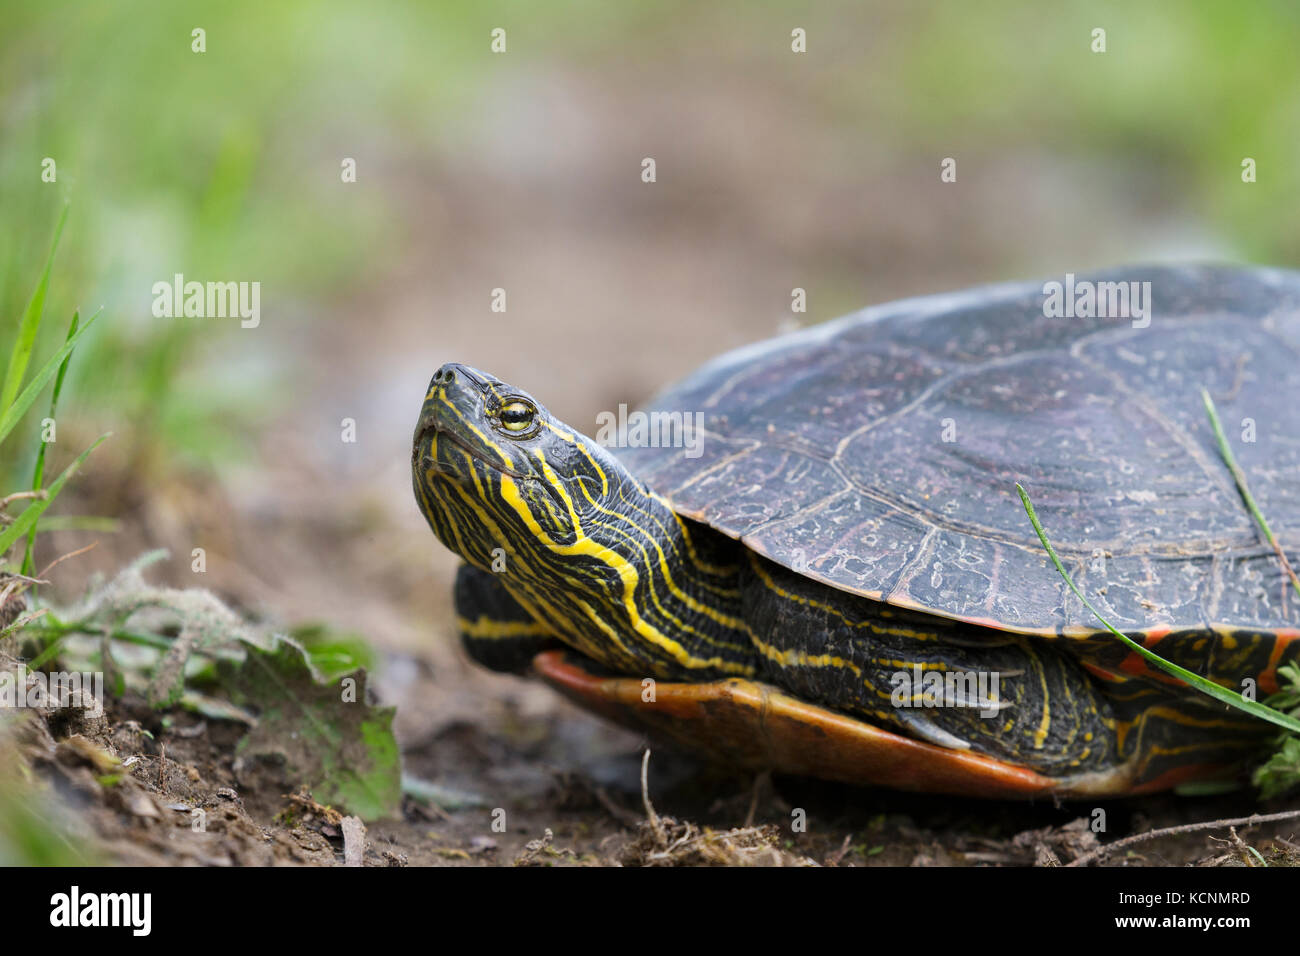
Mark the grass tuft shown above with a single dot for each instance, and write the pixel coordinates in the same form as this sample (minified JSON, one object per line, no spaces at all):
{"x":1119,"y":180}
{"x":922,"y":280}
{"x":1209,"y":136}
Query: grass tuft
{"x":30,"y":323}
{"x":38,"y":471}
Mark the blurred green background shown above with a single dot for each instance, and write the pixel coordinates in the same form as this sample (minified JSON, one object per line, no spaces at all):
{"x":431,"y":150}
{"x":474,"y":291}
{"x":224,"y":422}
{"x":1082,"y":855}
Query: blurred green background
{"x":521,"y":171}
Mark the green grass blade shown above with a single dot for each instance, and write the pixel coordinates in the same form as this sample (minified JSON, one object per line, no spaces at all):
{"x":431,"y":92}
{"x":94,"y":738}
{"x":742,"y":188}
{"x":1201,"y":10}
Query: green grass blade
{"x":97,"y":523}
{"x":27,"y":520}
{"x":11,"y":415}
{"x":1239,"y":477}
{"x":1232,"y":698}
{"x":38,"y":472}
{"x":29,"y":325}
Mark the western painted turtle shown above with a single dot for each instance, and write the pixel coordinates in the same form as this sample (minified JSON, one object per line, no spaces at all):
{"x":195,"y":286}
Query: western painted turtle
{"x":833,"y":575}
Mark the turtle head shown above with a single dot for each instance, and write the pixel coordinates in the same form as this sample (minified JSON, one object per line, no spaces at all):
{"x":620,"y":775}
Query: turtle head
{"x":585,"y":548}
{"x":497,"y":475}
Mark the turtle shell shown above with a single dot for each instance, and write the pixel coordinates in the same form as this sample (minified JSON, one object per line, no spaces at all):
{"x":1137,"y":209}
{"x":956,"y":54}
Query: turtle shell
{"x":878,"y":454}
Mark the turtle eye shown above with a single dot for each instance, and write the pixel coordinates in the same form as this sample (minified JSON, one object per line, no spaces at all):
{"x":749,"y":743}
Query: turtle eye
{"x":516,"y":416}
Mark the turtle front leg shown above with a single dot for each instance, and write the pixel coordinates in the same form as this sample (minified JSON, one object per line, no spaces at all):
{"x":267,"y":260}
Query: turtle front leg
{"x":495,"y":630}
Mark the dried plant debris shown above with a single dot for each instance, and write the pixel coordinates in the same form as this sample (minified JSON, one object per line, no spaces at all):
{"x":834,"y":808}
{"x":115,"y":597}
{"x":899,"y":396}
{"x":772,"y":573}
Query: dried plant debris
{"x":665,"y":841}
{"x":542,"y":852}
{"x":302,"y":810}
{"x":674,"y":843}
{"x":354,"y":841}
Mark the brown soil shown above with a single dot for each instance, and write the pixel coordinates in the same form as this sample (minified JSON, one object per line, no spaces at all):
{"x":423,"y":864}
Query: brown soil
{"x":532,"y":782}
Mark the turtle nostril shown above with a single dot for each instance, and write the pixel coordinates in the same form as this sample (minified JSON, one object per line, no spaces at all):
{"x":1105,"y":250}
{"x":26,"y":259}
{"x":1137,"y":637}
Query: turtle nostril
{"x":447,"y":376}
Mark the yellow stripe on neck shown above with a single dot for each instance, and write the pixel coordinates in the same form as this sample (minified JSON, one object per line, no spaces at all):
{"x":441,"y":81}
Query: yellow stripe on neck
{"x":584,"y":546}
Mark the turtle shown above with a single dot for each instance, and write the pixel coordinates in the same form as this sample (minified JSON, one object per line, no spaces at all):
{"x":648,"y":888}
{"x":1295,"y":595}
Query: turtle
{"x":809,"y":555}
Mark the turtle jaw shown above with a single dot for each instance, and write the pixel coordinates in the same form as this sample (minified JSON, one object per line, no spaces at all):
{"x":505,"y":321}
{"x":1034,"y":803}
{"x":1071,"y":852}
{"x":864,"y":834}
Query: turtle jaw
{"x":440,"y":450}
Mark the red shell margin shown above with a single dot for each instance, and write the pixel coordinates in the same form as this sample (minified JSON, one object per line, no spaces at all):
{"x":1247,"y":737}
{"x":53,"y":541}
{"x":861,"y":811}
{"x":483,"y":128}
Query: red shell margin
{"x":748,"y":724}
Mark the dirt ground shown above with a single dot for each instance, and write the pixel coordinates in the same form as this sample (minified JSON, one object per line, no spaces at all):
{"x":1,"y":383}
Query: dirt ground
{"x":567,"y":789}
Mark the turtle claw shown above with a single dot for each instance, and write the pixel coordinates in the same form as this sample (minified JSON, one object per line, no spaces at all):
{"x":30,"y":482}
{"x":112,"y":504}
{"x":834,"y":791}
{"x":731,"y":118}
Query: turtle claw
{"x":929,"y":731}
